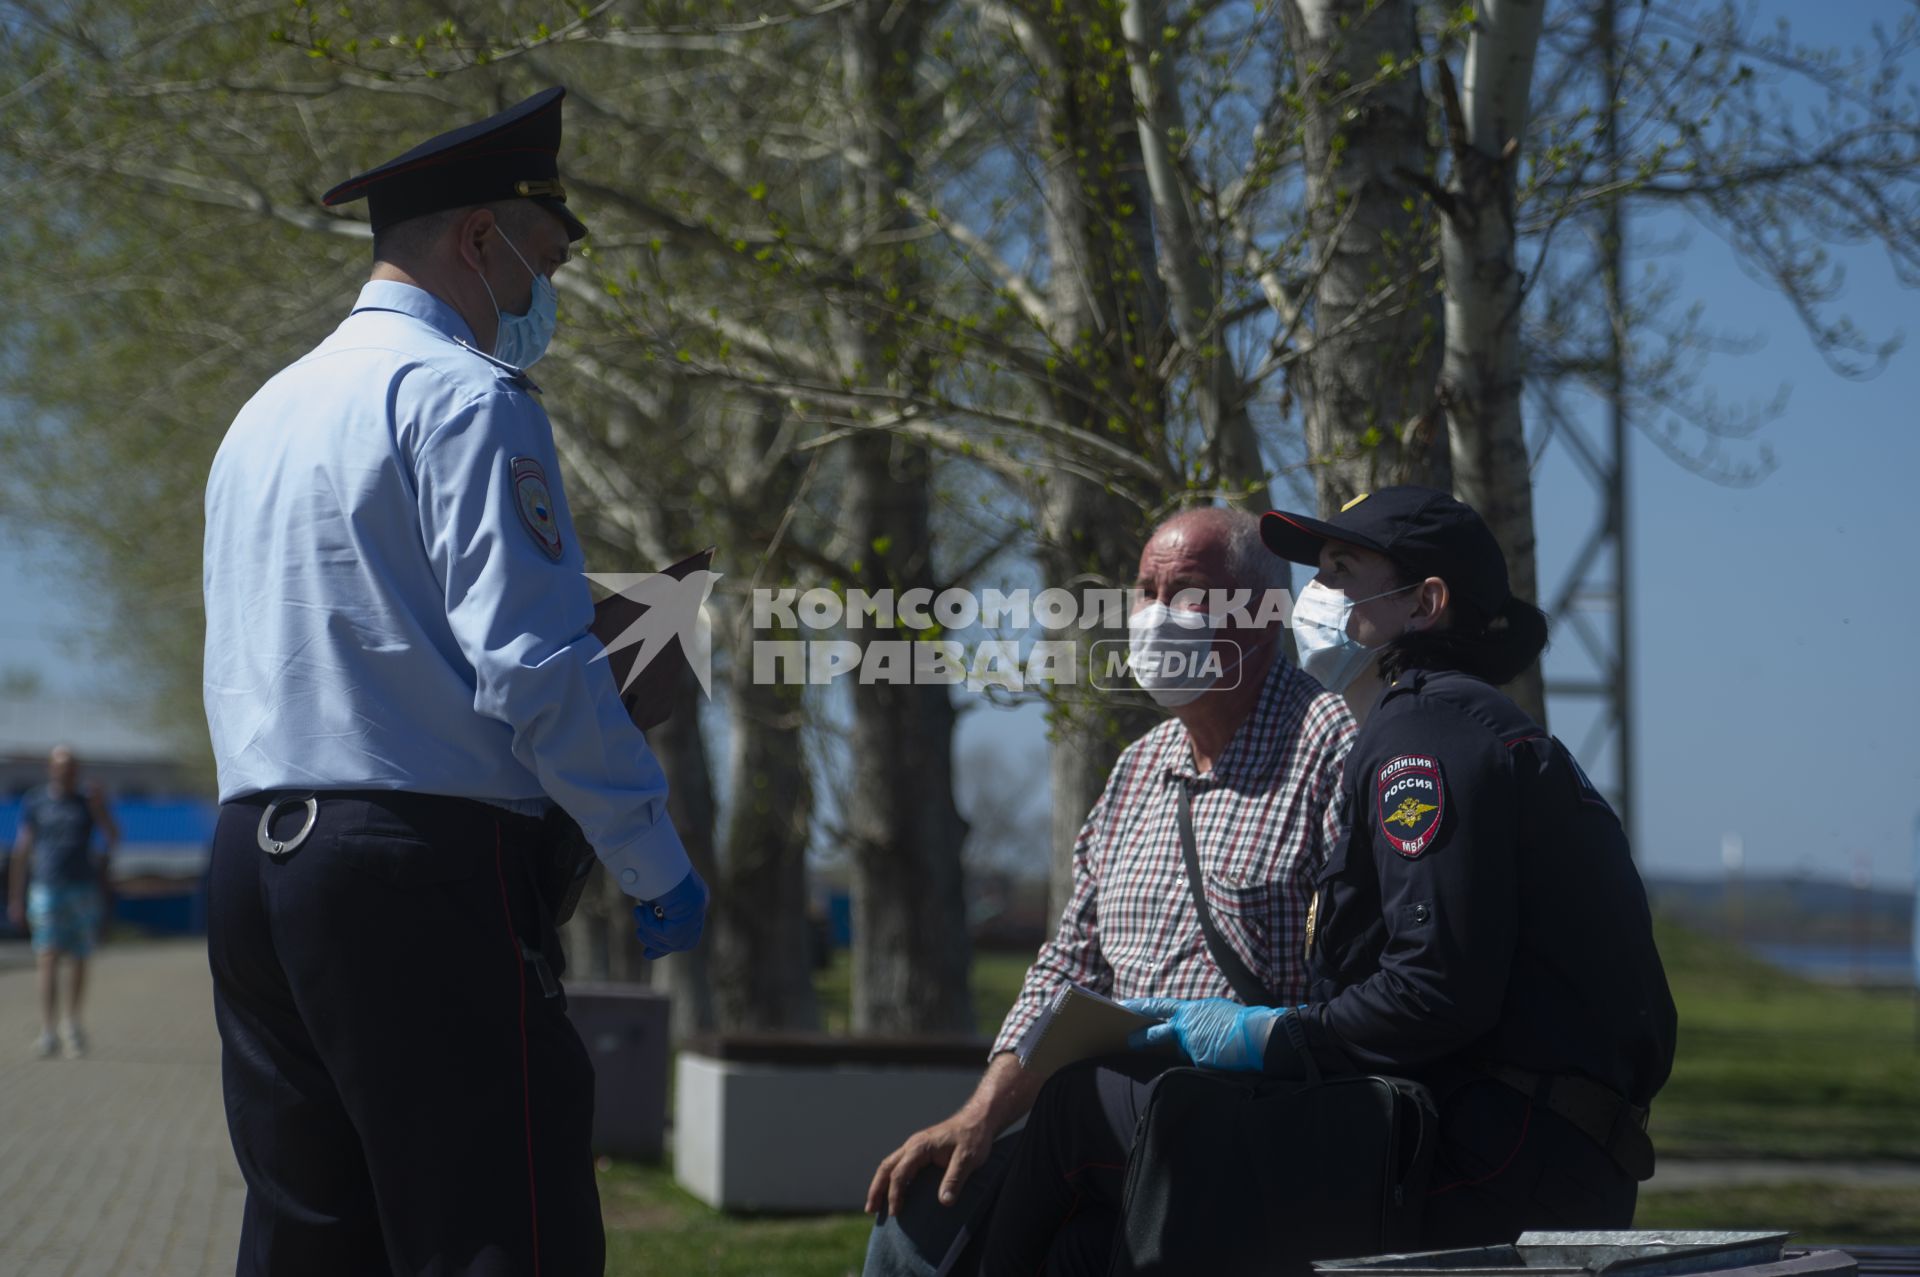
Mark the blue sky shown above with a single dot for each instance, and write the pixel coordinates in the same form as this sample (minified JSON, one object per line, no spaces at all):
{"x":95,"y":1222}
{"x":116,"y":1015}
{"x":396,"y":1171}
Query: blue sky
{"x":1774,"y":624}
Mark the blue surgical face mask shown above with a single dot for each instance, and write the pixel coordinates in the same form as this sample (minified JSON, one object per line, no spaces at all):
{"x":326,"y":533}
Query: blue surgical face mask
{"x":522,"y":339}
{"x":1327,"y":651}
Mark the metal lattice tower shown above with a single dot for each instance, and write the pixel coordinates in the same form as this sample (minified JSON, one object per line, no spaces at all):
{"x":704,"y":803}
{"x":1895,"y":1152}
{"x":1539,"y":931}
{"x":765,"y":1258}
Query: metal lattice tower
{"x":1594,"y":600}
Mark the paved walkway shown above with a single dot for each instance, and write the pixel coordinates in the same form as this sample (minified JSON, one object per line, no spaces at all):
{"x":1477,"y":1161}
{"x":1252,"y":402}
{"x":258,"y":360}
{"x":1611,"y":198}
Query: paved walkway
{"x":118,"y":1163}
{"x":1672,"y":1173}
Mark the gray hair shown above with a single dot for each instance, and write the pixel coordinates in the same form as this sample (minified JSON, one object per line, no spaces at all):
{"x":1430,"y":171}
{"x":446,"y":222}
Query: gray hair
{"x":1253,"y":565}
{"x":1250,"y":564}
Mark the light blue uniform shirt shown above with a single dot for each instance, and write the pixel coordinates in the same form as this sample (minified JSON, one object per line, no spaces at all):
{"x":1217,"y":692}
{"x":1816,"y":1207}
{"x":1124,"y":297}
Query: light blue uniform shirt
{"x":395,"y":597}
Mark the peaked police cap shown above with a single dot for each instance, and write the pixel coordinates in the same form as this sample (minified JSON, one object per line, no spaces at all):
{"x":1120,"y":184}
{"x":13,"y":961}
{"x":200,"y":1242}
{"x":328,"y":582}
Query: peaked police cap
{"x":512,"y":155}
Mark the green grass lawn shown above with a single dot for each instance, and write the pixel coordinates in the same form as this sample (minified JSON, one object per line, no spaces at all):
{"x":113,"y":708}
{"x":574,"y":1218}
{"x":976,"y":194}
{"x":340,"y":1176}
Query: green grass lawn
{"x":1769,"y":1066}
{"x":1773,"y":1066}
{"x":1816,"y":1213}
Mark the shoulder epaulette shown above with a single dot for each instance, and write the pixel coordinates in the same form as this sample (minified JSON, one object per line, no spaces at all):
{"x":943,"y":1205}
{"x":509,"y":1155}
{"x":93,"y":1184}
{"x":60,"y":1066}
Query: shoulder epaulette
{"x":516,"y":376}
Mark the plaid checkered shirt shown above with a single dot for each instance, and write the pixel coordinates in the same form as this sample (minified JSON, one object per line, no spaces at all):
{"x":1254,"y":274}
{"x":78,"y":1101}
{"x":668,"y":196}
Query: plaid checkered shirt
{"x":1263,"y":822}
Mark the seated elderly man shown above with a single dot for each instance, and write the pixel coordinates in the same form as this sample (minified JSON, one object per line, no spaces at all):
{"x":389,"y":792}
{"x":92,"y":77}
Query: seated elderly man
{"x":1257,"y":752}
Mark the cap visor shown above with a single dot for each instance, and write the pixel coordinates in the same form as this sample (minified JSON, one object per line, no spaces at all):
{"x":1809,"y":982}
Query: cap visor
{"x":1299,"y":539}
{"x":576,"y":229}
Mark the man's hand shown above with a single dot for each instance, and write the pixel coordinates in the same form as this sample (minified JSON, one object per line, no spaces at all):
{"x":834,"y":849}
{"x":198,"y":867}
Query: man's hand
{"x":673,"y":922}
{"x":1216,"y":1033}
{"x":17,"y":913}
{"x":962,"y":1142}
{"x":959,"y":1144}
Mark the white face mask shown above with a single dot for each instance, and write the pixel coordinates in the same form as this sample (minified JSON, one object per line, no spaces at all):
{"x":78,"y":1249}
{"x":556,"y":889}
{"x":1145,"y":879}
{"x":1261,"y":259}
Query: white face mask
{"x":1327,"y":652}
{"x":1171,"y":653}
{"x":1172,"y":656}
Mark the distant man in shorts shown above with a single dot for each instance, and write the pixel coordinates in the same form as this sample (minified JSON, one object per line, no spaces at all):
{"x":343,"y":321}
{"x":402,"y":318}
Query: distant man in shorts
{"x":58,"y":885}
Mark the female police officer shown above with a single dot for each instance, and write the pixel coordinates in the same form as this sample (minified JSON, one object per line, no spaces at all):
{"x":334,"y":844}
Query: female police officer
{"x":1479,"y":927}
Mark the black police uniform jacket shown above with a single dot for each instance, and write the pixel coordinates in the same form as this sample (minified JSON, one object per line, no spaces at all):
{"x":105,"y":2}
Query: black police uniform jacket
{"x":1483,"y":906}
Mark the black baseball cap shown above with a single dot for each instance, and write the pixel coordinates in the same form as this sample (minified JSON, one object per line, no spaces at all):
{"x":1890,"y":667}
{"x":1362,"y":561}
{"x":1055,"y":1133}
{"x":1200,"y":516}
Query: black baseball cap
{"x":1422,"y":529}
{"x":512,"y":155}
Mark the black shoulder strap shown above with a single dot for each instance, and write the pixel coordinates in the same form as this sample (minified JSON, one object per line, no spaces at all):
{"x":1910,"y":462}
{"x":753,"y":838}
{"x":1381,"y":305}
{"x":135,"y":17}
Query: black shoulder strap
{"x":1249,"y":990}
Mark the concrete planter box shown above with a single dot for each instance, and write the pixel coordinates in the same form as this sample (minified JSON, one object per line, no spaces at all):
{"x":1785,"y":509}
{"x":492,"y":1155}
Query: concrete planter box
{"x":798,"y":1123}
{"x":624,"y":1027}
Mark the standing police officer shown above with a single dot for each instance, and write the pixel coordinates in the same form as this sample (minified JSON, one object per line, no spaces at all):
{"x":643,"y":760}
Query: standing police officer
{"x":400,"y":685}
{"x":1480,"y":925}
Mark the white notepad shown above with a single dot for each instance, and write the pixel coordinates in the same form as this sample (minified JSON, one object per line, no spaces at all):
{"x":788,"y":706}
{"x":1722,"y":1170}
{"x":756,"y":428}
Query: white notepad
{"x":1077,"y":1025}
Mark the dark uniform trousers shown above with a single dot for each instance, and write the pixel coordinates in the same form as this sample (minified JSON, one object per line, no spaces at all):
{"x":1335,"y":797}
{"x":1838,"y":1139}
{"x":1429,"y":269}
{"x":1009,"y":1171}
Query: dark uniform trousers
{"x":401,"y":1095}
{"x":1504,"y":1165}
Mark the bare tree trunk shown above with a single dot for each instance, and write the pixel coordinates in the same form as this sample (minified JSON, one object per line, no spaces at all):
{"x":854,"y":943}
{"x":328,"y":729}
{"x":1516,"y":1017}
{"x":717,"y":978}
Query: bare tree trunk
{"x":911,"y":954}
{"x":1109,"y":320}
{"x":1480,"y":383}
{"x":1367,"y":386}
{"x":912,"y":958}
{"x":1190,"y":273}
{"x":761,"y":962}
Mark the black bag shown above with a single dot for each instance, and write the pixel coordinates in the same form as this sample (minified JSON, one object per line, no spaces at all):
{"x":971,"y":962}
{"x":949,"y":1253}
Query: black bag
{"x":1239,"y":1173}
{"x":1233,"y":1173}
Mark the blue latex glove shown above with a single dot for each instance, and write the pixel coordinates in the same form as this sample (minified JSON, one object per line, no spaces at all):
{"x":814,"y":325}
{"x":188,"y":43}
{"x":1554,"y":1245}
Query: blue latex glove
{"x":1216,"y":1033}
{"x":672,"y":923}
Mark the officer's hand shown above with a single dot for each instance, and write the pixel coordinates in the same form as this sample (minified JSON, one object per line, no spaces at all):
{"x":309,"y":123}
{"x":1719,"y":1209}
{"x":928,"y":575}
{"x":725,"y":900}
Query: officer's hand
{"x":672,"y":923}
{"x":1216,"y":1033}
{"x":960,"y":1144}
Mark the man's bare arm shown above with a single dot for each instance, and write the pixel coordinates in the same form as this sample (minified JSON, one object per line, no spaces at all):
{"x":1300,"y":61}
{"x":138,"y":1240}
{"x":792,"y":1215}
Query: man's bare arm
{"x":17,"y":874}
{"x":103,"y":817}
{"x":103,"y":864}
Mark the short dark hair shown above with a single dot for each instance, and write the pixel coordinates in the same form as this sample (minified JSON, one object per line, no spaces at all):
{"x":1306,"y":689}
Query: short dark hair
{"x":1497,"y":648}
{"x":407,"y":241}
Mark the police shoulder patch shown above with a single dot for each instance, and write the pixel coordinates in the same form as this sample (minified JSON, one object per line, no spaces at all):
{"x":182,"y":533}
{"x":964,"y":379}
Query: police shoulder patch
{"x":1411,"y":800}
{"x":535,"y":505}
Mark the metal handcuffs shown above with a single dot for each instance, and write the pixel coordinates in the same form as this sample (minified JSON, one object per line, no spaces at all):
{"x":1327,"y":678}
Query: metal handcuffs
{"x":279,"y":848}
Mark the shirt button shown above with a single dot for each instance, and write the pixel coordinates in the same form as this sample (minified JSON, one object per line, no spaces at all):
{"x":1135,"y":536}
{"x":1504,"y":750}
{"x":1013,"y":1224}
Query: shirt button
{"x":1420,"y":912}
{"x":628,"y":877}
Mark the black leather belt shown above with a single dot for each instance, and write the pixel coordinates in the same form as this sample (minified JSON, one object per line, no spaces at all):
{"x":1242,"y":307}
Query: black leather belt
{"x":1596,"y":1111}
{"x":290,"y":814}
